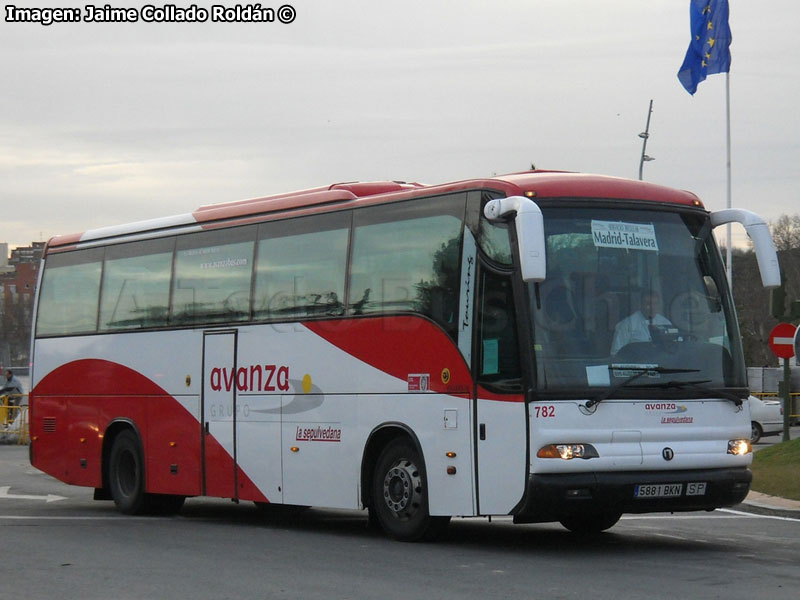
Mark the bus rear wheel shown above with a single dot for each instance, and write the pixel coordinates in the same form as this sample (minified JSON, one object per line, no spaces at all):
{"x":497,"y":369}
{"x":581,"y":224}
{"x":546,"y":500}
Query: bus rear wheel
{"x":126,"y":474}
{"x":126,"y":480}
{"x":400,"y":495}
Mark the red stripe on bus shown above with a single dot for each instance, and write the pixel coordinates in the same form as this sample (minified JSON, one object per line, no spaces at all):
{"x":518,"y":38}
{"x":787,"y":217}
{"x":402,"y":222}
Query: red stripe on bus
{"x":80,"y":399}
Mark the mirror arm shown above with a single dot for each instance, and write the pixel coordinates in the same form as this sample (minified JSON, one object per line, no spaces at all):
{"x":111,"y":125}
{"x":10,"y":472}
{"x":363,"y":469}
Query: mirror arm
{"x":759,"y":233}
{"x":529,"y":225}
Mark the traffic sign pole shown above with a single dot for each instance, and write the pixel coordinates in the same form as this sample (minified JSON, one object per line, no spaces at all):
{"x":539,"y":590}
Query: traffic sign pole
{"x":787,"y":399}
{"x":782,"y":341}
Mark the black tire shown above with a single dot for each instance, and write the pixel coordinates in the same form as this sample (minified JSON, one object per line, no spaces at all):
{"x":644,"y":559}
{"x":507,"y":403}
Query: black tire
{"x":126,"y":474}
{"x":755,"y":432}
{"x":126,"y":481}
{"x":400,"y":495}
{"x":591,"y":523}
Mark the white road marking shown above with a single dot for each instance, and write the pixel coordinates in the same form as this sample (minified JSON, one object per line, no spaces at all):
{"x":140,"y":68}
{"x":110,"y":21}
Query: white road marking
{"x":120,"y":518}
{"x":755,"y":516}
{"x":730,"y":514}
{"x":4,"y":493}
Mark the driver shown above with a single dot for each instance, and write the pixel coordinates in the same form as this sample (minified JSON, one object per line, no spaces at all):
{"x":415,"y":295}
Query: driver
{"x":637,"y":327}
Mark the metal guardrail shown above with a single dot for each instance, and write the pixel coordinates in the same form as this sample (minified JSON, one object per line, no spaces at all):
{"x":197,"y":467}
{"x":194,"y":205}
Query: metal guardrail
{"x":14,"y":418}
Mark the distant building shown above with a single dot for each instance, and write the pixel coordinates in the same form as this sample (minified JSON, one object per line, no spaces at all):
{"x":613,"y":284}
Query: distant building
{"x":4,"y":266}
{"x":27,"y":254}
{"x":21,"y":281}
{"x":18,"y":277}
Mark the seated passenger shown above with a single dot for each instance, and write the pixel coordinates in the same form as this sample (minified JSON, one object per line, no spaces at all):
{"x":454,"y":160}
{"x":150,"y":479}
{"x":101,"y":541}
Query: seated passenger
{"x":638,"y":326}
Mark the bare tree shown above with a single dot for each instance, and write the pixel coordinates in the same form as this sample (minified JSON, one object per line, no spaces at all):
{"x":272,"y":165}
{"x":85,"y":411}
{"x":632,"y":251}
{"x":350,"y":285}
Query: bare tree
{"x":786,"y":232}
{"x":752,"y":301}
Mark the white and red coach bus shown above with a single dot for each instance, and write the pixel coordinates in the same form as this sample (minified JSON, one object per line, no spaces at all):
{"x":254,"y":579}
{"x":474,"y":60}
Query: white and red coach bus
{"x":420,"y":351}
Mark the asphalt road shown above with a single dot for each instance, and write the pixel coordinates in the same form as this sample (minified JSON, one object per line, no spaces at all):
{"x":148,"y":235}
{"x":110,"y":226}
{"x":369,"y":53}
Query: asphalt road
{"x":766,"y":441}
{"x":59,"y":543}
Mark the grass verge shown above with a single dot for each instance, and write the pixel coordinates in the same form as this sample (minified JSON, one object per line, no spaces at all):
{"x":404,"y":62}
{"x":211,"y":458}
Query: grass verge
{"x":776,"y":470}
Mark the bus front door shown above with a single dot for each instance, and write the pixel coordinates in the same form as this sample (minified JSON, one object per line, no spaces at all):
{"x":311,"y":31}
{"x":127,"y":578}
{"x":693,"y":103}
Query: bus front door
{"x":500,"y":410}
{"x":219,"y":414}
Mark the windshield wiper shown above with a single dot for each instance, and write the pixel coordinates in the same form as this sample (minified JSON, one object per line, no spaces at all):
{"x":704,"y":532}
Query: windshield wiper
{"x":698,"y":386}
{"x":642,"y":371}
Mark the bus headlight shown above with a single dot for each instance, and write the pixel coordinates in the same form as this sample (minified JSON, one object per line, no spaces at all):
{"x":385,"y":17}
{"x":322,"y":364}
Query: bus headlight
{"x":739,"y":447}
{"x":568,"y":451}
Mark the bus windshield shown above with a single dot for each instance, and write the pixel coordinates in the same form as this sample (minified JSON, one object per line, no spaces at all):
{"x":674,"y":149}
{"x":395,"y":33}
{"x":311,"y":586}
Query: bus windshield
{"x":632,"y":292}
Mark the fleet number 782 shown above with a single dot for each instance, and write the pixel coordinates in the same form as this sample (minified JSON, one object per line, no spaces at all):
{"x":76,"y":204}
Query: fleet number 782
{"x":544,"y":412}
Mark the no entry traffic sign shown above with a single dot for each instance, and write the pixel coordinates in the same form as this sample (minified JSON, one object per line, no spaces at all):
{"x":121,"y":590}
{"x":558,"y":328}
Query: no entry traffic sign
{"x":781,"y":340}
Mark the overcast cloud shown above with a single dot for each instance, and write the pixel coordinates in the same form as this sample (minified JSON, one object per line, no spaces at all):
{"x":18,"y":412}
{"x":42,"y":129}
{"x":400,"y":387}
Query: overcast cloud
{"x":107,"y":123}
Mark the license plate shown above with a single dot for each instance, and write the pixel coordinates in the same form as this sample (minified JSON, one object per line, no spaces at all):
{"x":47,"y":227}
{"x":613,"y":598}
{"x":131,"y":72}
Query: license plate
{"x":696,"y":489}
{"x":660,"y":490}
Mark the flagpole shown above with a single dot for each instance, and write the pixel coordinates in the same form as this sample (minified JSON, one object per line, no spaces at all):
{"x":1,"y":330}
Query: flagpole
{"x":729,"y":253}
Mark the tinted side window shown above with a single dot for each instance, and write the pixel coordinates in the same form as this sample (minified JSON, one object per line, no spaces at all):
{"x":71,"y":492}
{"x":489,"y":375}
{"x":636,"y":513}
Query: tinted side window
{"x":492,"y":237}
{"x":498,"y":344}
{"x":301,"y":266}
{"x":406,"y":258}
{"x":136,"y":283}
{"x":70,"y":293}
{"x":212,"y":276}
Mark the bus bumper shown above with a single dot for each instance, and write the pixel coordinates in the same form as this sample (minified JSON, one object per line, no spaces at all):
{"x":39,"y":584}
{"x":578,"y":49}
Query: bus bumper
{"x":552,"y":497}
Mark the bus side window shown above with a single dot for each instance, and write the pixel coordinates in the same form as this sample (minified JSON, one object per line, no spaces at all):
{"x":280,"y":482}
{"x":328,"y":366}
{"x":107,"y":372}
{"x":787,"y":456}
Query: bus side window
{"x":498,"y":344}
{"x":70,"y":293}
{"x":212,"y":276}
{"x":406,"y":259}
{"x":301,"y":266}
{"x":136,"y":284}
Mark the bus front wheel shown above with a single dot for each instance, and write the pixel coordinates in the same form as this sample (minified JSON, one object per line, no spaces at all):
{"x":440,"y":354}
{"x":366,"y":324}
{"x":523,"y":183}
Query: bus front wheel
{"x":400,"y":495}
{"x":591,"y":523}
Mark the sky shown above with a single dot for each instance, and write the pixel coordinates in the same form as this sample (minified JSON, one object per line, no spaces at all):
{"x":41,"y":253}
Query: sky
{"x":106,"y":123}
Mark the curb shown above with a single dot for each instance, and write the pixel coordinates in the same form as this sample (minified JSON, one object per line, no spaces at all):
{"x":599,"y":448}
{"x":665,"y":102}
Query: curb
{"x":763,"y":504}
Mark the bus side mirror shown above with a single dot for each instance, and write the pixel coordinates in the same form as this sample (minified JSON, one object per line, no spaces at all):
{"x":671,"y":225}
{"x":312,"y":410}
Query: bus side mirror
{"x":758,"y":230}
{"x":529,"y":226}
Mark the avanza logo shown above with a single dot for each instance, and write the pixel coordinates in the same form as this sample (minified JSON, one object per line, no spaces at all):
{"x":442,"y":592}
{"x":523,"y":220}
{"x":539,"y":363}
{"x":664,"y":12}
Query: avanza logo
{"x":669,"y":407}
{"x":255,"y":378}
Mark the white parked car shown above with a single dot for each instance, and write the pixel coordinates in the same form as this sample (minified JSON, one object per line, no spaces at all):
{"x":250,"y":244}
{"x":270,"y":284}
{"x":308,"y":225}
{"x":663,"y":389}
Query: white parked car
{"x":766,"y":418}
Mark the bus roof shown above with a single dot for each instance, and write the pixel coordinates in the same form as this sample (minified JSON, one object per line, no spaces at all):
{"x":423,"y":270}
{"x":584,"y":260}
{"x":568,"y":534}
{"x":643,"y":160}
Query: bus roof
{"x":537,"y":184}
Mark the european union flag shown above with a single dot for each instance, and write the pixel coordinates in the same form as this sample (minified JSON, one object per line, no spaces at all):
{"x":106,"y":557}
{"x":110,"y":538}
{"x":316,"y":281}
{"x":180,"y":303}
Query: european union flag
{"x":709,"y":51}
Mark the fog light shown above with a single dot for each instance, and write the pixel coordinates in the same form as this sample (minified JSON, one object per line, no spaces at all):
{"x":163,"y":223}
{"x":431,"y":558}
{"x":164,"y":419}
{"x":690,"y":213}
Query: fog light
{"x":739,"y":447}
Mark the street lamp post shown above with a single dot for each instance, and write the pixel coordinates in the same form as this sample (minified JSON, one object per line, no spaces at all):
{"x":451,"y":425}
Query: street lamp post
{"x":644,"y":135}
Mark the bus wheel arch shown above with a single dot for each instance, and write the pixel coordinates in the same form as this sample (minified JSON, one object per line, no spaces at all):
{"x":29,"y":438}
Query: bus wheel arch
{"x":394,"y":484}
{"x":124,"y":474}
{"x":379,"y":438}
